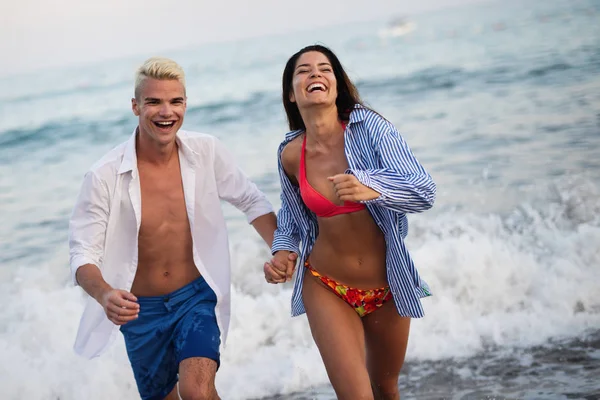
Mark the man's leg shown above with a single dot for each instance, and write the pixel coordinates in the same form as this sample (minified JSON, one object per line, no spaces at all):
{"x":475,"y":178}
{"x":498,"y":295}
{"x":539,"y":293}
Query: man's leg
{"x":151,"y":356}
{"x":197,"y":340}
{"x":174,"y":395}
{"x":197,"y":379}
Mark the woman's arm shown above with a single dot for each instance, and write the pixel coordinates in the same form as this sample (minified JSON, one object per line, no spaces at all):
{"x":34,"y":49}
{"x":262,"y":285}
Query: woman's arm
{"x":401,"y":181}
{"x":287,"y":235}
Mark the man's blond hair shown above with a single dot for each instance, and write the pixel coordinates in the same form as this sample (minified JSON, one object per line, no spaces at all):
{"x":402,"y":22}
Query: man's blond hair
{"x":158,"y":68}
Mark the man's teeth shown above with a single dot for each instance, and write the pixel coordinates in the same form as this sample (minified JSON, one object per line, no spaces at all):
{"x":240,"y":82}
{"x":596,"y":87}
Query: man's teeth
{"x":164,"y":123}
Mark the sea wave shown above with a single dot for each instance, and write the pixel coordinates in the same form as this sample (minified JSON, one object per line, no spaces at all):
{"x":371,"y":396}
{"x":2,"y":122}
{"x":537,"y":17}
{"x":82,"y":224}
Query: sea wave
{"x":511,"y":280}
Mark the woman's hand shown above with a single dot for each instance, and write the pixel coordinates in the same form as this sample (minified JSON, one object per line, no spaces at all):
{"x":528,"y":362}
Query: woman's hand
{"x":281,"y":267}
{"x":348,"y":188}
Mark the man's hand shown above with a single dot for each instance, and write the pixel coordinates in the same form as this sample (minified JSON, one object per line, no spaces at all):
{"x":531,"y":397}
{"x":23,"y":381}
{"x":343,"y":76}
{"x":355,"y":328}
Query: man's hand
{"x":348,"y":188}
{"x":120,"y":306}
{"x":281,"y":267}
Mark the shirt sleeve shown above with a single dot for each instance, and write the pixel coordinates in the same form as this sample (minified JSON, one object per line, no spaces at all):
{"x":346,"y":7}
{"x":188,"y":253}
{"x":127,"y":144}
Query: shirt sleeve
{"x":287,"y":236}
{"x":236,"y":188}
{"x":402,"y":182}
{"x":87,"y":226}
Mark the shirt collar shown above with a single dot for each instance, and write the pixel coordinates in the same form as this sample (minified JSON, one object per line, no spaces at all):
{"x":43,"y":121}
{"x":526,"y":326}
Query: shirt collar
{"x":358,"y":114}
{"x":129,"y":162}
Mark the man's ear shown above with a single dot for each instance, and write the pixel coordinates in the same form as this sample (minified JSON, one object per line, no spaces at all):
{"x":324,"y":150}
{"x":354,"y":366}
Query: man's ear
{"x":134,"y":107}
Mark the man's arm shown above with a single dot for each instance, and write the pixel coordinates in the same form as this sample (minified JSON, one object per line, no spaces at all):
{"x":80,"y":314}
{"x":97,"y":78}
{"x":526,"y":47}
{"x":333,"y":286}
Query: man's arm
{"x":87,"y":226}
{"x":236,"y":188}
{"x":275,"y":271}
{"x":90,"y":279}
{"x":119,"y":305}
{"x":265,"y":225}
{"x":87,"y":232}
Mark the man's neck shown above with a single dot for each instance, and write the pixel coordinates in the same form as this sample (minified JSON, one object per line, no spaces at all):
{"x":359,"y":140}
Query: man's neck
{"x":152,"y":152}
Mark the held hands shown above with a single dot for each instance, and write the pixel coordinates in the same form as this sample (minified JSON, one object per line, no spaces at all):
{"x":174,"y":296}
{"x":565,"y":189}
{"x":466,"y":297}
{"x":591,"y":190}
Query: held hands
{"x":348,"y":188}
{"x":119,"y":306}
{"x":281,"y":267}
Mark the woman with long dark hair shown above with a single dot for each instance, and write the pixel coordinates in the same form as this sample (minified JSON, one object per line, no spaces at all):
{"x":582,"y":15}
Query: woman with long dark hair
{"x":348,"y":180}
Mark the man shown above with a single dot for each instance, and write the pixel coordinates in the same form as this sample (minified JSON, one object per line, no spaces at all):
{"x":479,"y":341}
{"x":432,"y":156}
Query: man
{"x":148,"y":243}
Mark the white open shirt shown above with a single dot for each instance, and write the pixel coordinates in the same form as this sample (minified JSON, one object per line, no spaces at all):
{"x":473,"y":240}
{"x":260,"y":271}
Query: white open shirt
{"x":104,"y":226}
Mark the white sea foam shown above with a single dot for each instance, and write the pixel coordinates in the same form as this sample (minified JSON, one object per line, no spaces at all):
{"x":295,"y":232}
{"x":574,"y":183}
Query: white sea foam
{"x":506,"y":281}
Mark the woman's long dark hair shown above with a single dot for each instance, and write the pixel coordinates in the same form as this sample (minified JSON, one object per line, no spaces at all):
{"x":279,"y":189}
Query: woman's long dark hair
{"x":347,"y":95}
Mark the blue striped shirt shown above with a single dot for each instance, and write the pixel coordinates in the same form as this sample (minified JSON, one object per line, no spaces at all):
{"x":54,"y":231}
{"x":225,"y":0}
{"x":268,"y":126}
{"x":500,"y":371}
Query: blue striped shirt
{"x":379,"y":158}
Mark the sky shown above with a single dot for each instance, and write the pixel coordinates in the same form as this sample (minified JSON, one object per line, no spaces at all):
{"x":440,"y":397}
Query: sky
{"x":36,"y":34}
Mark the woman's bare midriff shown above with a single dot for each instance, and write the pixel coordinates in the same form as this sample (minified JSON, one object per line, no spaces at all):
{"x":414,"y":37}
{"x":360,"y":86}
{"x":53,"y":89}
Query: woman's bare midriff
{"x":351,"y":250}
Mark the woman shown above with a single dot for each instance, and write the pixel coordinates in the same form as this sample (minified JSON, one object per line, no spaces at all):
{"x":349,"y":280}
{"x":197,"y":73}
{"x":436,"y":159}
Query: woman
{"x":348,"y":179}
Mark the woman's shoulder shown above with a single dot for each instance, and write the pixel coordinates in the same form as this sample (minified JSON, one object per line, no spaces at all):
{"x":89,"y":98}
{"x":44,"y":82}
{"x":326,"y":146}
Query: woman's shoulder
{"x":290,"y":155}
{"x":292,"y":148}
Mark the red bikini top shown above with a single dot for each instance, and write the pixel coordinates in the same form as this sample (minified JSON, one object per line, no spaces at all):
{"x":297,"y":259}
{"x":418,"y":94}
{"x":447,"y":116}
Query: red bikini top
{"x":315,"y":201}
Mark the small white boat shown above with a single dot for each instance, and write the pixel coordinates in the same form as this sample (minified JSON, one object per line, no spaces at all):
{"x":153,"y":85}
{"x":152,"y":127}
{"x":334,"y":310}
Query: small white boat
{"x":398,"y":27}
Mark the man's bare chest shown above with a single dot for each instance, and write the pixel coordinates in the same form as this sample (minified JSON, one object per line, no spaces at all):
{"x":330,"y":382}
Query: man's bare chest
{"x":163,"y":201}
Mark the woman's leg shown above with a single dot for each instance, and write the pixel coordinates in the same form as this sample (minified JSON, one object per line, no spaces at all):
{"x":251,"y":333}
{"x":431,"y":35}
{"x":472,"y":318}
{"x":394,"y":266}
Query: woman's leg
{"x":338,"y":332}
{"x":386,"y":337}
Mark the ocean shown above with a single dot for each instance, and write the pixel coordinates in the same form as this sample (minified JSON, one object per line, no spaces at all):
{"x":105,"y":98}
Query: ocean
{"x":501,"y":103}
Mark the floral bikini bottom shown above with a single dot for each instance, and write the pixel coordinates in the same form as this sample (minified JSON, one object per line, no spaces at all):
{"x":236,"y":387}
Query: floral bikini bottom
{"x":363,"y":301}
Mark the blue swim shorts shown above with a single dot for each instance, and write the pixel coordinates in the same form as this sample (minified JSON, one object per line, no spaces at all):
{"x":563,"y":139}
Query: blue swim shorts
{"x":169,"y":329}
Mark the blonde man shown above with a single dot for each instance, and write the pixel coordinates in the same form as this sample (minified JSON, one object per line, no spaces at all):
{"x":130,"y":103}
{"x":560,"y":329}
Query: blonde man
{"x":148,"y":243}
